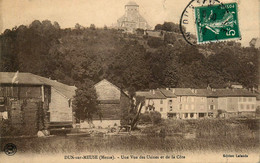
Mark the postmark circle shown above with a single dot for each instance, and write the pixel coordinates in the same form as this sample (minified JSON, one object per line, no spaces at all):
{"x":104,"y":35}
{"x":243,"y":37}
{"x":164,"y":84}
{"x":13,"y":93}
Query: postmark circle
{"x":10,"y":149}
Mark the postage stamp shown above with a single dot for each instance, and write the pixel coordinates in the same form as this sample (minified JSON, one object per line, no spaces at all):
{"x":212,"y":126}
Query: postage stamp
{"x":217,"y":22}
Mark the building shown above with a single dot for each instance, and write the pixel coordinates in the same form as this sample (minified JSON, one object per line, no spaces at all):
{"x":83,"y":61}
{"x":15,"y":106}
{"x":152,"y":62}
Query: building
{"x":236,"y":102}
{"x":154,"y":101}
{"x":60,"y":106}
{"x":111,"y":102}
{"x":186,"y":103}
{"x":32,"y":103}
{"x":132,"y":19}
{"x":206,"y":102}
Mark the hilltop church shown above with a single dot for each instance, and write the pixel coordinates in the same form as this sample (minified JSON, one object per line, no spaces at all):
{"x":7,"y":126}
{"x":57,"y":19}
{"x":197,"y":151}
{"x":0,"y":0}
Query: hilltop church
{"x":132,"y":19}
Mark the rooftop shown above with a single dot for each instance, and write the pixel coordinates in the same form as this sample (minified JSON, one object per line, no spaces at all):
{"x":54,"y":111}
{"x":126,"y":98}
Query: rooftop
{"x":182,"y":91}
{"x":19,"y":78}
{"x":25,"y":78}
{"x":132,"y":3}
{"x":167,"y":93}
{"x":153,"y":94}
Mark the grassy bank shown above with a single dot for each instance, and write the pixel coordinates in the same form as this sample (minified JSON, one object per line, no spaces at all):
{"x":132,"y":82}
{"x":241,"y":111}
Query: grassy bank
{"x":165,"y":137}
{"x":132,"y":144}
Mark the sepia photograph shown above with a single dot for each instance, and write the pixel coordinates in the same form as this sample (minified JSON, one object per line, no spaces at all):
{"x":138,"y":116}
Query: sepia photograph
{"x":130,"y":81}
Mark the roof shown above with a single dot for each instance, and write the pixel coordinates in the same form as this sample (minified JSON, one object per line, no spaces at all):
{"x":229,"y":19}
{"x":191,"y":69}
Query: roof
{"x":132,"y":3}
{"x":31,"y":79}
{"x":19,"y":78}
{"x":167,"y":93}
{"x":66,"y":90}
{"x":183,"y":91}
{"x":204,"y":92}
{"x":233,"y":92}
{"x":153,"y":94}
{"x":105,"y":80}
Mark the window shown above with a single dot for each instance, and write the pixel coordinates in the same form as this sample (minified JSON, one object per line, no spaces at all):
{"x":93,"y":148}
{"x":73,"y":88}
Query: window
{"x":241,"y":106}
{"x":170,"y":108}
{"x":180,"y":106}
{"x":191,"y":115}
{"x":253,"y":106}
{"x":186,"y":115}
{"x":249,"y":99}
{"x":247,"y":107}
{"x":244,"y":99}
{"x":170,"y":102}
{"x":161,"y":109}
{"x":161,"y":102}
{"x":211,"y":107}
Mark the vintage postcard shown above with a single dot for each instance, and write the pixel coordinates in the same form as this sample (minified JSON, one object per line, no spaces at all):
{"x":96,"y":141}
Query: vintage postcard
{"x":130,"y":81}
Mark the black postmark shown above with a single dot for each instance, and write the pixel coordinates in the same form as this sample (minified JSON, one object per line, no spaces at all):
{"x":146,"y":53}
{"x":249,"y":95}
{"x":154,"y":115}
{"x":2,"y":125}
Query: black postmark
{"x":10,"y":149}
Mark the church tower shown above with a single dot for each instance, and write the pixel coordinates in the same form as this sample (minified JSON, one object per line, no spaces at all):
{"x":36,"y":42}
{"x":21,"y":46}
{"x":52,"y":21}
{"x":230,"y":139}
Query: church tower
{"x":132,"y":11}
{"x":132,"y":18}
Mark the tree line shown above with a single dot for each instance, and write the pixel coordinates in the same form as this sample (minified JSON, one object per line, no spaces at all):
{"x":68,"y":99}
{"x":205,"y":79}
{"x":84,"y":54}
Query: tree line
{"x":80,"y":55}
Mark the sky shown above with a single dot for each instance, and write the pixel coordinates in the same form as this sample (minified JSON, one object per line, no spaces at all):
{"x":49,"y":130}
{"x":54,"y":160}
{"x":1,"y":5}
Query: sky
{"x":106,"y":12}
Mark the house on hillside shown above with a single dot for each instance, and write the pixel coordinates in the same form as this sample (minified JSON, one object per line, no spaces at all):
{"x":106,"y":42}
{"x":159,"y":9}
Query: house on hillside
{"x":32,"y":103}
{"x":111,"y":102}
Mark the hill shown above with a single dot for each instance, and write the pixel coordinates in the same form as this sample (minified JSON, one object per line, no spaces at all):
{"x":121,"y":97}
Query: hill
{"x":131,"y":61}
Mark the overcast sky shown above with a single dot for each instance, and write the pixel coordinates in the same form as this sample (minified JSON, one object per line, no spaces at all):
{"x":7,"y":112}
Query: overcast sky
{"x":105,"y":12}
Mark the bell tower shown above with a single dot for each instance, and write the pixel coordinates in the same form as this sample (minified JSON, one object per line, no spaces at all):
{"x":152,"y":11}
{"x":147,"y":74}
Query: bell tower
{"x":132,"y":11}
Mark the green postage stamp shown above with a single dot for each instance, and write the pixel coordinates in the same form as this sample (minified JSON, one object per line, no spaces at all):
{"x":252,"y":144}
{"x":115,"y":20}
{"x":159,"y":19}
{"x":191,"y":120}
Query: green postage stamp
{"x":217,"y":22}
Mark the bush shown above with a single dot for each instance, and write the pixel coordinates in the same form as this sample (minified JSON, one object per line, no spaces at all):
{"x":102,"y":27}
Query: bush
{"x":153,"y":117}
{"x":154,"y":42}
{"x":156,"y":117}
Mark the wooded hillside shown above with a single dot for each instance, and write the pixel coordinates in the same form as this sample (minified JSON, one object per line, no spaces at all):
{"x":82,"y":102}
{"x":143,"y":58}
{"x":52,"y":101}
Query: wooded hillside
{"x":130,"y":61}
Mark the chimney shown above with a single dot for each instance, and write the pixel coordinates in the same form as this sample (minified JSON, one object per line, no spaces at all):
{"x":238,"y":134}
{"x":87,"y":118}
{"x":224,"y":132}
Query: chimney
{"x":195,"y":90}
{"x":173,"y":90}
{"x":153,"y":91}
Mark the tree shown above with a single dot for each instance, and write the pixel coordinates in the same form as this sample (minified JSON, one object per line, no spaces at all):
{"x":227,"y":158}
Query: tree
{"x":85,"y":101}
{"x":92,"y":26}
{"x":130,"y":116}
{"x":158,"y":27}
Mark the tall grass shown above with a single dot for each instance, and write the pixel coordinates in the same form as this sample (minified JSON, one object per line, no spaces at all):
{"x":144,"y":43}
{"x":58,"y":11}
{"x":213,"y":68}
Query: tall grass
{"x":131,"y":144}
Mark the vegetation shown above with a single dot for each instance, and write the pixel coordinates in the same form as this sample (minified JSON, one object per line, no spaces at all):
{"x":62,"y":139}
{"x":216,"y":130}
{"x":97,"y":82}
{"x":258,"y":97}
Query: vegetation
{"x":85,"y":102}
{"x":81,"y":56}
{"x":152,"y":117}
{"x":74,"y":55}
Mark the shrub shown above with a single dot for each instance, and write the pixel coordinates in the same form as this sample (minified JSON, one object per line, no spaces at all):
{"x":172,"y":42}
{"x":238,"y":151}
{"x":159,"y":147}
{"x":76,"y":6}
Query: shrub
{"x":154,"y":42}
{"x":153,"y":117}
